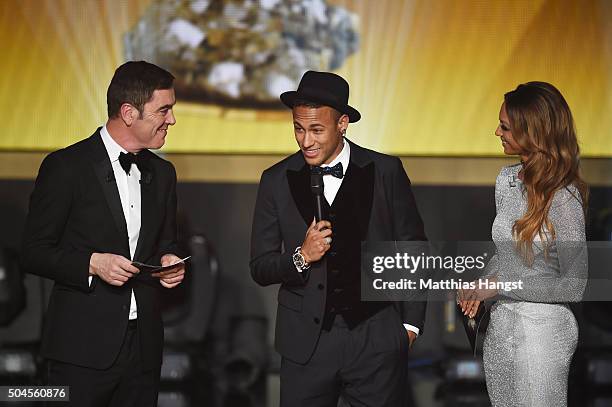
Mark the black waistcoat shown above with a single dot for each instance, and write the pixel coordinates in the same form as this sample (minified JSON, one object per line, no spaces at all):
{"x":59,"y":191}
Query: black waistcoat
{"x":344,"y":256}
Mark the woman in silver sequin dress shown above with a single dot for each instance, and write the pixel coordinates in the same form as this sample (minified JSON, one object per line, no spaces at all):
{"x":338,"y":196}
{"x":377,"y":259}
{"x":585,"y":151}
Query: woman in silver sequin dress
{"x":539,"y":233}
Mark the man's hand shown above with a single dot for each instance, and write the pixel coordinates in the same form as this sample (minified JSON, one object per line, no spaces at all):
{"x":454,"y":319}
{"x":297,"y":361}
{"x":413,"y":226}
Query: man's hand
{"x":173,"y":277}
{"x":411,"y":338}
{"x":317,"y":241}
{"x":111,"y":268}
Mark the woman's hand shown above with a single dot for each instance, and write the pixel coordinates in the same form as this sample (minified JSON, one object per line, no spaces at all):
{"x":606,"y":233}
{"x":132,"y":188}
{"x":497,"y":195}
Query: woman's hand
{"x":469,"y":308}
{"x":469,"y":299}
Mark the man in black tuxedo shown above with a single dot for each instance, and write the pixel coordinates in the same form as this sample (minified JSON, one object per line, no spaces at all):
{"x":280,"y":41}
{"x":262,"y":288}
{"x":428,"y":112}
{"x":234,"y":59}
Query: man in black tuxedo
{"x":331,"y":342}
{"x":98,"y":205}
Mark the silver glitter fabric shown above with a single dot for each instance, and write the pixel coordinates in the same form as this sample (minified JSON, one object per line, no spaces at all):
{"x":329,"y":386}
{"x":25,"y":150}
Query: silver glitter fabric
{"x":532,"y":334}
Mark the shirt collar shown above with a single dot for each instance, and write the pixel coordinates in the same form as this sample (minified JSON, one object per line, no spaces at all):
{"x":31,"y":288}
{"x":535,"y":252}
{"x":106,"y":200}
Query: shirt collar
{"x":344,"y":157}
{"x":112,"y":147}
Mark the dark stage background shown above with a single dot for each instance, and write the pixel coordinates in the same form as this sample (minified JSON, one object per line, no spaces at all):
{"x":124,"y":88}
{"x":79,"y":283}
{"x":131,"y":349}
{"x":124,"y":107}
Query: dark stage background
{"x":219,"y":328}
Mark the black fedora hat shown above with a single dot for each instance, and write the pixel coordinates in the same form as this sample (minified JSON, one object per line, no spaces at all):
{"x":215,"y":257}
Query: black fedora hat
{"x":324,"y":88}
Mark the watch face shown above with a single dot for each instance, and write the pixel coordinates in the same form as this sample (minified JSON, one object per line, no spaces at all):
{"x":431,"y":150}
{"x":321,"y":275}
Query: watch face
{"x":298,"y":260}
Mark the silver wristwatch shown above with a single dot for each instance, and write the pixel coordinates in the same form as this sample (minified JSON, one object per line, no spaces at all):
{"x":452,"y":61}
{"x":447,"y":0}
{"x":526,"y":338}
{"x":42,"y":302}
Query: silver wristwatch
{"x":299,"y":261}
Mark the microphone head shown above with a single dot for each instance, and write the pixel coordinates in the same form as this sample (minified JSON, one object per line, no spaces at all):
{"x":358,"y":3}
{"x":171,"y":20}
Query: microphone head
{"x":316,"y":183}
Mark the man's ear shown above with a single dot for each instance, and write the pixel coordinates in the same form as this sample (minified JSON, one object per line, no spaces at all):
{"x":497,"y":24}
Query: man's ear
{"x":343,"y":123}
{"x":128,"y":113}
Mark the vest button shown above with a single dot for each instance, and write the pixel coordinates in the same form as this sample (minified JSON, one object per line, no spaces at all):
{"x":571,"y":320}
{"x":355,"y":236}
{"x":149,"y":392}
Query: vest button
{"x":332,"y":216}
{"x":321,"y":286}
{"x":317,"y":320}
{"x":333,"y":253}
{"x":335,"y":271}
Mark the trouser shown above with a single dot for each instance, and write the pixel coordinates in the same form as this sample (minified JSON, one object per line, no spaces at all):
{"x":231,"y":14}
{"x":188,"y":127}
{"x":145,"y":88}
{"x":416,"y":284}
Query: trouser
{"x":367,"y":366}
{"x":124,"y":384}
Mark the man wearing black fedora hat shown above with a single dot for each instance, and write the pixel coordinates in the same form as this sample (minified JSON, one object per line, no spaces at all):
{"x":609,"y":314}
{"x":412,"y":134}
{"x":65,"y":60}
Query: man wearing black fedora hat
{"x":333,"y":344}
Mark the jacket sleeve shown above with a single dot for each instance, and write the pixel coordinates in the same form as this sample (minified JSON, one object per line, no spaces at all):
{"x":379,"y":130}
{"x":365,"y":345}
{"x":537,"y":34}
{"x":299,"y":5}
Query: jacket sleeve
{"x":270,"y":263}
{"x":43,"y":253}
{"x":407,"y":225}
{"x":167,"y":243}
{"x":168,"y":238}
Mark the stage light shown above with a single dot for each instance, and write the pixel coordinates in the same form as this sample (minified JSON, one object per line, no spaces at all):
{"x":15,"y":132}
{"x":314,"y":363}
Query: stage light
{"x":600,"y":371}
{"x":176,"y":366}
{"x":17,"y":363}
{"x":465,"y":369}
{"x":172,"y":399}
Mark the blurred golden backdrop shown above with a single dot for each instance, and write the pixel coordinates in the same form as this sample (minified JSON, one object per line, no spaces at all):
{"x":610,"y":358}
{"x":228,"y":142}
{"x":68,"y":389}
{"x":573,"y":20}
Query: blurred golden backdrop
{"x":428,"y":78}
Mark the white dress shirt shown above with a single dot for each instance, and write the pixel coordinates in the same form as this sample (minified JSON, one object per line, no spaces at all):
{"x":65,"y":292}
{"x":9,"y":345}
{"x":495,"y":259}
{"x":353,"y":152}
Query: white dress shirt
{"x":129,"y":193}
{"x":331,"y":185}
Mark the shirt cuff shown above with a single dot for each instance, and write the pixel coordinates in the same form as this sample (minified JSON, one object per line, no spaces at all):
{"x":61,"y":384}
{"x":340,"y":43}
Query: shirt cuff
{"x":90,"y":278}
{"x":412,"y":328}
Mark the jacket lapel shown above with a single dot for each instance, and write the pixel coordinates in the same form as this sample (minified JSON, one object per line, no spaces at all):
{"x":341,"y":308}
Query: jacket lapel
{"x":106,"y":178}
{"x":356,"y":191}
{"x":299,"y":184}
{"x":148,"y":200}
{"x":363,"y":175}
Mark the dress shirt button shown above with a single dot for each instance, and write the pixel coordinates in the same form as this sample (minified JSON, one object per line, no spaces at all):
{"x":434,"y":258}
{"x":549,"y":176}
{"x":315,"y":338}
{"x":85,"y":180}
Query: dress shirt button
{"x":321,"y":286}
{"x":317,"y":321}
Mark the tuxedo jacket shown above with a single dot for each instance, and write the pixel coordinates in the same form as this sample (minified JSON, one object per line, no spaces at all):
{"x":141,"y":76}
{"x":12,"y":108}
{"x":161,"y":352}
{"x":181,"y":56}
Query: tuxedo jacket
{"x":284,"y":209}
{"x":75,"y":210}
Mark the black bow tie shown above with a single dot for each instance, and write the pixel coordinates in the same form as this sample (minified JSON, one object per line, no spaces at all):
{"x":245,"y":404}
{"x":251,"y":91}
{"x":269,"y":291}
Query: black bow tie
{"x":126,"y":161}
{"x":336,"y":170}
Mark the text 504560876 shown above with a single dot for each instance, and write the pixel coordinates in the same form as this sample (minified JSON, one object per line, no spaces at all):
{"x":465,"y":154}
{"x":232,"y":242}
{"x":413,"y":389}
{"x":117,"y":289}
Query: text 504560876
{"x":34,"y":393}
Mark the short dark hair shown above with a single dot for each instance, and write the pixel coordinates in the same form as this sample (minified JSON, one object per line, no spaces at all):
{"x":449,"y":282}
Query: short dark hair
{"x":134,"y":82}
{"x":314,"y":105}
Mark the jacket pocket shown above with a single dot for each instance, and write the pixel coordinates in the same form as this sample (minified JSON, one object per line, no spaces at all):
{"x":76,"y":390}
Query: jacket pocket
{"x":290,"y":299}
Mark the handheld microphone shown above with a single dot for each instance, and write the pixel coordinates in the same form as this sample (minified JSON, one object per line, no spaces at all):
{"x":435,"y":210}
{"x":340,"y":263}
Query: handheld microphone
{"x":316,"y":186}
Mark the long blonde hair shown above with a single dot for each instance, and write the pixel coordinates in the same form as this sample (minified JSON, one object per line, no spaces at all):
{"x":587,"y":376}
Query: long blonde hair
{"x":543,"y":127}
